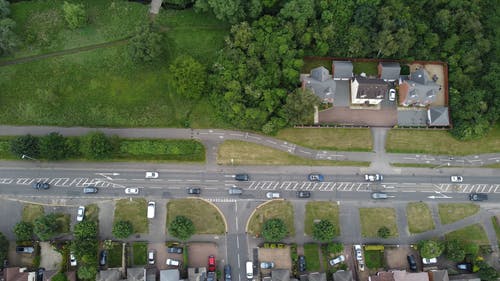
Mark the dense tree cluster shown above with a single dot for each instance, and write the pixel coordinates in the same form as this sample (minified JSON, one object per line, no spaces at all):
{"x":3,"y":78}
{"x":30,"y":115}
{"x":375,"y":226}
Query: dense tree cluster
{"x":274,"y":230}
{"x":323,"y":231}
{"x":23,"y":231}
{"x":46,"y":227}
{"x":181,"y":227}
{"x":8,"y":39}
{"x":85,"y":247}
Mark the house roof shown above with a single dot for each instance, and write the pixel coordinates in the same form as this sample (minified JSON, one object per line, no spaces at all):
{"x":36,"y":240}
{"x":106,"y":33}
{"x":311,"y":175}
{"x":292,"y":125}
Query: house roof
{"x":280,"y":275}
{"x":342,"y":275}
{"x":320,"y":82}
{"x":420,"y":76}
{"x":17,"y":274}
{"x":169,"y":275}
{"x":439,"y":275}
{"x":342,"y":69}
{"x":316,"y":276}
{"x":382,"y":276}
{"x":403,"y":275}
{"x":370,"y":88}
{"x":418,"y":89}
{"x":320,"y":73}
{"x":112,"y":274}
{"x":438,"y":116}
{"x":390,"y":70}
{"x":150,"y":273}
{"x":135,"y":273}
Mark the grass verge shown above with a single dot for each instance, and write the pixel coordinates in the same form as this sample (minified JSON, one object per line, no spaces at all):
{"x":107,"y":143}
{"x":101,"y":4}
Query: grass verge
{"x":374,"y":218}
{"x":419,"y":217}
{"x":321,"y":210}
{"x":329,"y":138}
{"x":452,"y":212}
{"x":473,"y":233}
{"x":234,"y":152}
{"x":311,"y":252}
{"x":413,"y":165}
{"x":115,"y":255}
{"x":92,"y":213}
{"x":374,"y":259}
{"x":140,"y":251}
{"x":206,"y":218}
{"x":270,"y":210}
{"x":133,"y":210}
{"x":496,"y":226}
{"x":31,"y":212}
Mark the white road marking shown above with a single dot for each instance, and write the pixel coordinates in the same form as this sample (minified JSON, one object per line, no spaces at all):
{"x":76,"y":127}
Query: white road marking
{"x":237,"y":135}
{"x":211,"y":180}
{"x":306,"y":152}
{"x":254,"y":137}
{"x":270,"y":141}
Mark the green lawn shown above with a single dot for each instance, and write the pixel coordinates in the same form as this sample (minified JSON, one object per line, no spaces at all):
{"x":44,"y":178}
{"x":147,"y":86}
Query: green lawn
{"x":311,"y":252}
{"x":115,"y":255}
{"x":234,"y":152}
{"x":321,"y":210}
{"x":92,"y":213}
{"x":329,"y":138}
{"x":413,"y":165}
{"x":31,"y":212}
{"x":5,"y":148}
{"x":140,"y":251}
{"x":161,"y":150}
{"x":496,"y":225}
{"x":473,"y":233}
{"x":374,"y":259}
{"x":374,"y":218}
{"x":370,"y":68}
{"x":133,"y":210}
{"x":419,"y":217}
{"x":452,"y":212}
{"x":206,"y":218}
{"x":270,"y":210}
{"x":441,"y":142}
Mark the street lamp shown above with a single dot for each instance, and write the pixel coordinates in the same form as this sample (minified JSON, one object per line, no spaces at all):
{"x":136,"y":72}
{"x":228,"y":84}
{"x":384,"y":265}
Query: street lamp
{"x":24,"y":156}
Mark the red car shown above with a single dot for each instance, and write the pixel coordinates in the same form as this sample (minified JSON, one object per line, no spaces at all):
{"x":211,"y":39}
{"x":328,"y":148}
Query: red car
{"x":211,"y":264}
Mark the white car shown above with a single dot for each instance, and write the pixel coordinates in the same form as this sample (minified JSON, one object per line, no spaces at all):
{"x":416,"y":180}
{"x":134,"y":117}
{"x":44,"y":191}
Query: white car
{"x":152,"y":175}
{"x":429,"y":261}
{"x":80,"y":213}
{"x":131,"y":190}
{"x":72,"y":259}
{"x":392,"y":95}
{"x":272,"y":195}
{"x":151,"y":257}
{"x":359,"y":254}
{"x":456,"y":179}
{"x":337,"y":260}
{"x":173,"y":262}
{"x":373,"y":177}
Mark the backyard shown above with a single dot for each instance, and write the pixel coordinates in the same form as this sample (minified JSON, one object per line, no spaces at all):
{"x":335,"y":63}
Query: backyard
{"x":311,"y":252}
{"x":206,"y":217}
{"x":419,"y":217}
{"x":452,"y":212}
{"x":139,"y":253}
{"x":372,"y":219}
{"x":269,"y":210}
{"x":133,"y":210}
{"x":321,"y":210}
{"x":115,"y":255}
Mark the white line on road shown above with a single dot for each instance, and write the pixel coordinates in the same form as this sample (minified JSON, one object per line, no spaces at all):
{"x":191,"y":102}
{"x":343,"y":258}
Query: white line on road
{"x":210,"y":187}
{"x":237,"y":242}
{"x":193,"y":180}
{"x":239,"y":265}
{"x":270,"y":141}
{"x":211,"y":180}
{"x":494,"y":158}
{"x":237,"y":135}
{"x":410,"y":158}
{"x":253,"y":137}
{"x":306,"y":152}
{"x":174,"y":180}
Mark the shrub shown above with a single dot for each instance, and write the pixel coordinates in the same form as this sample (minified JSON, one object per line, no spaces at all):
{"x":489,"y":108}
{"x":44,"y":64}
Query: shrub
{"x":23,"y":231}
{"x":27,"y":145}
{"x":384,"y":232}
{"x":45,"y":227}
{"x":323,"y":231}
{"x":74,"y":14}
{"x":96,"y":145}
{"x":188,"y":77}
{"x":53,"y":146}
{"x":181,"y":227}
{"x":274,"y":230}
{"x":85,"y":230}
{"x":122,"y":229}
{"x":146,"y":44}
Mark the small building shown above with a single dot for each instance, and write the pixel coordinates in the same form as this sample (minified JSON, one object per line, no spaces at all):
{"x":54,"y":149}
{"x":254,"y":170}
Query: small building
{"x":438,"y":116}
{"x":197,"y":273}
{"x":368,"y":91}
{"x":403,"y":275}
{"x":439,"y":275}
{"x":418,"y":89}
{"x":169,"y":275}
{"x":280,"y":275}
{"x":342,"y":275}
{"x":389,"y":71}
{"x":382,"y":276}
{"x":136,"y":274}
{"x":320,"y":82}
{"x":342,"y":70}
{"x":111,"y":274}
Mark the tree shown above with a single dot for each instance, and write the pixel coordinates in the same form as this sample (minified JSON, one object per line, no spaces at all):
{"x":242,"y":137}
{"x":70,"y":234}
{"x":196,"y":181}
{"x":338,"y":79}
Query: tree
{"x":384,"y":232}
{"x":274,"y":230}
{"x":122,"y":229}
{"x":87,"y":272}
{"x":45,"y":227}
{"x":488,"y":273}
{"x":53,"y":146}
{"x":96,"y":145}
{"x":59,"y":277}
{"x":335,"y":248}
{"x":323,"y":231}
{"x":188,"y":77}
{"x":146,"y":45}
{"x":299,"y":107}
{"x":4,"y":246}
{"x":4,"y":9}
{"x":430,"y":248}
{"x":23,"y":231}
{"x":85,"y":247}
{"x":85,"y":230}
{"x":455,"y":250}
{"x":74,"y":14}
{"x":26,"y":144}
{"x":181,"y":227}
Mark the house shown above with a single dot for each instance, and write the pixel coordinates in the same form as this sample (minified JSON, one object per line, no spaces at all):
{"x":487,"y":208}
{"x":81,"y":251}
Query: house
{"x":320,"y":82}
{"x":18,"y":274}
{"x":403,"y":275}
{"x":368,"y":90}
{"x":150,"y":273}
{"x":439,"y":275}
{"x":342,"y":70}
{"x":382,"y":276}
{"x":169,"y":275}
{"x":111,"y":274}
{"x":418,"y":89}
{"x":438,"y":116}
{"x":197,"y":273}
{"x":389,"y":71}
{"x":136,"y":274}
{"x":343,"y":275}
{"x":316,"y":276}
{"x":280,"y":275}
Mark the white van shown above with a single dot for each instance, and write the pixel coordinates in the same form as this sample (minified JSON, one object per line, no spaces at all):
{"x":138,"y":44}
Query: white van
{"x":249,"y":266}
{"x":151,"y":209}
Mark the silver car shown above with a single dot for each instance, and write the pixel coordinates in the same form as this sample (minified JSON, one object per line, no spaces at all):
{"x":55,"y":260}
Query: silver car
{"x":80,"y":213}
{"x":131,"y":190}
{"x":379,"y":195}
{"x":273,"y":195}
{"x":152,"y":175}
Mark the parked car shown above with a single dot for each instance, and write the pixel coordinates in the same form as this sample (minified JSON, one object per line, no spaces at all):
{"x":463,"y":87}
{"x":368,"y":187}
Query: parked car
{"x":373,"y":177}
{"x":302,"y":263}
{"x":72,"y":259}
{"x":429,"y":261}
{"x":359,"y":254}
{"x":273,"y":195}
{"x":151,"y":210}
{"x":90,"y":189}
{"x":315,"y":177}
{"x":267,"y":265}
{"x":478,"y":197}
{"x":151,"y":256}
{"x":152,"y":175}
{"x":211,"y":263}
{"x":39,"y":274}
{"x":457,"y":179}
{"x":241,"y":177}
{"x":361,"y":265}
{"x":379,"y":195}
{"x":303,"y":194}
{"x":131,"y":190}
{"x":412,"y":262}
{"x":465,"y":266}
{"x":227,"y":273}
{"x":173,"y":262}
{"x":235,"y":191}
{"x":103,"y":258}
{"x":337,"y":260}
{"x":80,"y":213}
{"x":174,"y":250}
{"x":392,"y":94}
{"x":40,"y":185}
{"x":194,"y":190}
{"x":25,"y":250}
{"x":249,"y":269}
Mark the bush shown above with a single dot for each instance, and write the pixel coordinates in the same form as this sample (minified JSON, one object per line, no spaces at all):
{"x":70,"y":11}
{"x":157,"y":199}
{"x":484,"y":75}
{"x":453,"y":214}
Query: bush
{"x":45,"y":227}
{"x":96,"y":145}
{"x":74,"y":14}
{"x":181,"y":227}
{"x":455,"y":250}
{"x":122,"y":229}
{"x":274,"y":230}
{"x":59,"y":277}
{"x":85,"y":230}
{"x":384,"y":232}
{"x":146,"y":44}
{"x":4,"y":246}
{"x":323,"y":231}
{"x":23,"y":231}
{"x":188,"y":77}
{"x":334,"y":248}
{"x":53,"y":146}
{"x":25,"y":145}
{"x":430,"y":248}
{"x":43,"y":27}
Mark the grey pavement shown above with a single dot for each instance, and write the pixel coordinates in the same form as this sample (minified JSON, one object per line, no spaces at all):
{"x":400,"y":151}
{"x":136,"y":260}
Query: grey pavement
{"x":106,"y":217}
{"x":12,"y":212}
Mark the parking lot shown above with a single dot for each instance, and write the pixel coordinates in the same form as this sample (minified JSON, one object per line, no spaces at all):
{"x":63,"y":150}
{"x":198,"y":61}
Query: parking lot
{"x":280,"y":257}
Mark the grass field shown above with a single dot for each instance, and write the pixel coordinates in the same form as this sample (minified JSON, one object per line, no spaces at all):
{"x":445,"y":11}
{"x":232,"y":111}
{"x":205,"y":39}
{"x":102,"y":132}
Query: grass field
{"x":441,"y":142}
{"x":374,"y":218}
{"x":419,"y":217}
{"x":269,"y":210}
{"x":329,"y":138}
{"x":115,"y":255}
{"x":31,"y":212}
{"x":321,"y":210}
{"x":370,"y":68}
{"x":133,"y":210}
{"x":374,"y":259}
{"x":234,"y":152}
{"x":453,"y":212}
{"x":206,"y":218}
{"x":473,"y":233}
{"x":311,"y":252}
{"x":496,"y":226}
{"x":140,"y":251}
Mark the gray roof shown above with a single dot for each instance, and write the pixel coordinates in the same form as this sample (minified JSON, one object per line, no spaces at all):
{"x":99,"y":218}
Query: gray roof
{"x":320,"y":82}
{"x":342,"y":69}
{"x":420,"y":76}
{"x":316,"y":276}
{"x":169,"y":275}
{"x":280,"y":275}
{"x":343,"y":275}
{"x":390,"y":70}
{"x":438,"y":116}
{"x":412,"y":117}
{"x":370,"y":88}
{"x":320,"y":73}
{"x":421,"y":90}
{"x":112,"y":274}
{"x":440,"y":275}
{"x":136,"y":273}
{"x":150,"y":273}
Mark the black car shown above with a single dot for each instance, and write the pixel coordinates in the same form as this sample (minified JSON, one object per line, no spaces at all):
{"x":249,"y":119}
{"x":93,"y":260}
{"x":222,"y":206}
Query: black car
{"x":478,"y":197}
{"x":302,"y":263}
{"x":227,"y":272}
{"x":174,"y":250}
{"x":41,"y":185}
{"x":303,"y":194}
{"x":39,"y":274}
{"x":412,"y":262}
{"x":103,"y":258}
{"x":242,"y":177}
{"x":193,"y":190}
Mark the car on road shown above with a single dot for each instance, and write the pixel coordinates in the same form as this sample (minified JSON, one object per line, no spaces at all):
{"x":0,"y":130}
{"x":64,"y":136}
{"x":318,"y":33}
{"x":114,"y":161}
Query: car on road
{"x":412,"y":262}
{"x":302,"y":263}
{"x":303,"y":194}
{"x":359,"y":254}
{"x":478,"y":197}
{"x":152,"y":175}
{"x":235,"y":191}
{"x":211,"y":263}
{"x":72,"y":259}
{"x":90,"y":189}
{"x":172,"y":262}
{"x":194,"y":190}
{"x":456,"y":179}
{"x":373,"y":177}
{"x":241,"y":177}
{"x":103,"y":258}
{"x":315,"y":177}
{"x":337,"y":260}
{"x":273,"y":195}
{"x":131,"y":190}
{"x":227,"y":273}
{"x":465,"y":266}
{"x":25,"y":249}
{"x":40,"y":185}
{"x":267,"y":265}
{"x":379,"y":195}
{"x":174,"y":250}
{"x":151,"y":256}
{"x":80,"y":213}
{"x":392,"y":94}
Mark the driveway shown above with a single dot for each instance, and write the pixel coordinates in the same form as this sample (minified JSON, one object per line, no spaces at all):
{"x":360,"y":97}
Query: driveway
{"x":280,"y":257}
{"x":385,"y":117}
{"x":396,"y":257}
{"x":161,"y":254}
{"x":198,"y":253}
{"x":50,"y":258}
{"x":106,"y":217}
{"x":12,"y":212}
